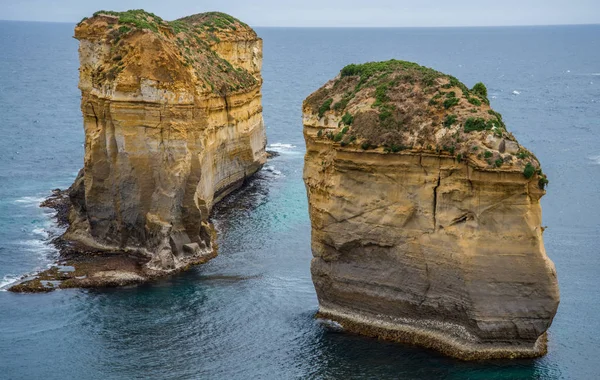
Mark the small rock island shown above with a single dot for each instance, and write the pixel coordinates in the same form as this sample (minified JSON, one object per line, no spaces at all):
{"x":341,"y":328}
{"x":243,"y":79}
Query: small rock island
{"x":173,"y":123}
{"x":425,"y":213}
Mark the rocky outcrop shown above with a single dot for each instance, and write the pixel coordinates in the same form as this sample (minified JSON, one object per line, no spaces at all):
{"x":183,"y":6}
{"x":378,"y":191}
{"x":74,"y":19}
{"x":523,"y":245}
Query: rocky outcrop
{"x":426,"y":221}
{"x":173,"y":123}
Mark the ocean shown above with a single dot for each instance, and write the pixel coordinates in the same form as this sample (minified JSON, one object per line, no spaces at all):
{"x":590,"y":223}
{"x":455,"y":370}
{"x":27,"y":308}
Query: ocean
{"x":249,"y":313}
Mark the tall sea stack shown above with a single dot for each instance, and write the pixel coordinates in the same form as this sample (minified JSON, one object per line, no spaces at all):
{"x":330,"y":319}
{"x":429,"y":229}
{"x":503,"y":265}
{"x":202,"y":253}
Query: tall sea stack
{"x":173,"y":123}
{"x":425,"y":213}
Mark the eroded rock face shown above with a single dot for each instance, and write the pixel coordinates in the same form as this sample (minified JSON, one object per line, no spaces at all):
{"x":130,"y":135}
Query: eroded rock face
{"x":173,"y":123}
{"x":418,"y":238}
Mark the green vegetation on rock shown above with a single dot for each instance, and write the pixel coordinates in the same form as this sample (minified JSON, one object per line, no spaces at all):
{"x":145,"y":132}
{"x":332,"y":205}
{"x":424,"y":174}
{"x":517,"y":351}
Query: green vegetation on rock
{"x":480,"y":90}
{"x":325,"y":107}
{"x":397,"y":105}
{"x":450,"y":119}
{"x":529,"y":170}
{"x":193,"y":36}
{"x":451,"y":102}
{"x":347,"y":118}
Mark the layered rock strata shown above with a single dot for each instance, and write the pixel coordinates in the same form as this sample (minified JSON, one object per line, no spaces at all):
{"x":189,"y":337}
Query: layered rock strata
{"x":173,"y":123}
{"x":425,"y":213}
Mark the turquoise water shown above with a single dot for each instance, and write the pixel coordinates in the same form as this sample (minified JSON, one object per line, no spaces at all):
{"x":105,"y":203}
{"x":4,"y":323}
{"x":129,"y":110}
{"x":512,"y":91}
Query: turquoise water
{"x":249,"y":312}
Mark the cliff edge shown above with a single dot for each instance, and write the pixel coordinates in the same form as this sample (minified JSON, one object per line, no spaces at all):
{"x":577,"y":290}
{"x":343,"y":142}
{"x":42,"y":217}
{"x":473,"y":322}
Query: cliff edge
{"x":173,"y":123}
{"x":425,"y":213}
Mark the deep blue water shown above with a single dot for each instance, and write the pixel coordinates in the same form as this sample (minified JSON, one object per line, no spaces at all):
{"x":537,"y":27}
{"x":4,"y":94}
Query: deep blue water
{"x":249,"y":312}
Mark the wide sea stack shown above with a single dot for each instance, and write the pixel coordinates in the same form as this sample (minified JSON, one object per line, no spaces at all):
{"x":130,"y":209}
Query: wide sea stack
{"x":173,"y":123}
{"x":425,"y":213}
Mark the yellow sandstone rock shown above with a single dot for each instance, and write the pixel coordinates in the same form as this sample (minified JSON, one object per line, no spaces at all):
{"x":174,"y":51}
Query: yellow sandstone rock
{"x":173,"y":123}
{"x":426,"y":221}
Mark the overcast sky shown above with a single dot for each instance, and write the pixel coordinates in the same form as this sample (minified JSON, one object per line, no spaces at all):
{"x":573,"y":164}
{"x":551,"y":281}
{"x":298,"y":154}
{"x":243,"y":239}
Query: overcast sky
{"x":328,"y":12}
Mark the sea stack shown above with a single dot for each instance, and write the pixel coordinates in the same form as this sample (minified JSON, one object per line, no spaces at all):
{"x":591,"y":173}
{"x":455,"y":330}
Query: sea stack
{"x":425,"y":213}
{"x":173,"y":123}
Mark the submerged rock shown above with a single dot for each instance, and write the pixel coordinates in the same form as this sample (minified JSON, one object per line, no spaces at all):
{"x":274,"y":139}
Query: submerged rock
{"x":425,"y":213}
{"x":173,"y":123}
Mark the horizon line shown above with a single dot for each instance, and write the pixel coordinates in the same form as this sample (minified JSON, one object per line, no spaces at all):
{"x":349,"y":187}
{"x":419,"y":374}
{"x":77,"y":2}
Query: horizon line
{"x":359,"y":26}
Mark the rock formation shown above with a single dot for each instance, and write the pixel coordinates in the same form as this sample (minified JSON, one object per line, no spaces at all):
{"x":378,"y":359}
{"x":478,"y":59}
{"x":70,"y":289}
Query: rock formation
{"x":173,"y":123}
{"x":426,"y":221}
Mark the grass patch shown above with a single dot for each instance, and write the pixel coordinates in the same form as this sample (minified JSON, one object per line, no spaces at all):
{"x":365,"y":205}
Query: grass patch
{"x":347,"y":118}
{"x":529,"y":170}
{"x":449,"y":103}
{"x":325,"y":107}
{"x":475,"y":101}
{"x":450,"y":119}
{"x":475,"y":124}
{"x":543,"y":182}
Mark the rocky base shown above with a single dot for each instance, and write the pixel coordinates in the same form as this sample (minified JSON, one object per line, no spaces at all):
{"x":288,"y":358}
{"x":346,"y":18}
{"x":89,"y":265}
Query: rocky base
{"x":80,"y":266}
{"x":448,"y":339}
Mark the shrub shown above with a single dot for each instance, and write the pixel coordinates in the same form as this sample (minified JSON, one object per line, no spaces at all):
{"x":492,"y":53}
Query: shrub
{"x":475,"y":101}
{"x":499,"y":162}
{"x":459,"y":157}
{"x":365,"y":146}
{"x":488,"y":154}
{"x":320,"y":133}
{"x":475,"y":148}
{"x":347,"y":118}
{"x":341,"y":104}
{"x":397,"y":148}
{"x":543,"y":182}
{"x":450,"y":95}
{"x":338,"y":137}
{"x":123,"y":29}
{"x":344,"y":130}
{"x":381,"y":95}
{"x":450,"y":119}
{"x":529,"y":170}
{"x":350,"y":70}
{"x":384,"y":114}
{"x":480,"y":89}
{"x":475,"y":124}
{"x":522,"y":155}
{"x":448,"y":103}
{"x":434,"y":99}
{"x":325,"y":107}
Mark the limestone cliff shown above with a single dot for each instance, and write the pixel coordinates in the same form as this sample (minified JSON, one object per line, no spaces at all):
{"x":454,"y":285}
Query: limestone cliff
{"x":173,"y":122}
{"x":426,"y":221}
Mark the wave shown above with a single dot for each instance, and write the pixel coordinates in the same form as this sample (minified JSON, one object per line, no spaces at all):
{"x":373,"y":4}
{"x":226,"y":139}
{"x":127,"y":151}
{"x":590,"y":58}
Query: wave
{"x":30,"y":201}
{"x":271,"y":169}
{"x":280,"y":146}
{"x":515,"y":92}
{"x":40,"y":232}
{"x":330,"y":325}
{"x":6,"y":281}
{"x":595,"y":159}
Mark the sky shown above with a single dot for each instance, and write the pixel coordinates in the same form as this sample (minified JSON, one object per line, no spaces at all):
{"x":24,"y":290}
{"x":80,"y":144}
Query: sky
{"x":328,"y":13}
